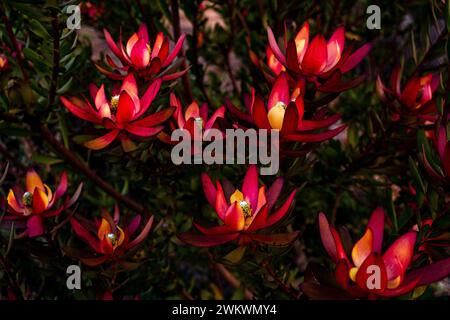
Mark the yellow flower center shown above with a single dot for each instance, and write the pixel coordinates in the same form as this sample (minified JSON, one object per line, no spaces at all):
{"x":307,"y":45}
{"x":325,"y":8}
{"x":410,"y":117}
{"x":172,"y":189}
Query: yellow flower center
{"x":245,"y":206}
{"x":114,"y":103}
{"x":237,"y":196}
{"x":27,"y":199}
{"x":116,"y":238}
{"x":276,"y":115}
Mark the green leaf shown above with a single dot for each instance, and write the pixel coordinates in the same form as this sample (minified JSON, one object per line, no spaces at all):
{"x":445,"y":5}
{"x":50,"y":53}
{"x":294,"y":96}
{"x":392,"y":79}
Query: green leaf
{"x":418,"y":292}
{"x":39,"y":61}
{"x":416,"y":176}
{"x":64,"y":131}
{"x":236,"y":255}
{"x":41,"y":159}
{"x":65,"y":87}
{"x":38,"y":29}
{"x":391,"y":209}
{"x":447,"y":15}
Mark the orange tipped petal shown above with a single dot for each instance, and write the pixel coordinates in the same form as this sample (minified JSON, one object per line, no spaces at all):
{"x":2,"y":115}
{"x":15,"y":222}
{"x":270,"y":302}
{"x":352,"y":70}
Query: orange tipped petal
{"x":193,"y":111}
{"x":103,"y":141}
{"x":363,"y":248}
{"x":157,"y":45}
{"x":13,"y":203}
{"x":335,"y":47}
{"x":33,"y":181}
{"x":131,"y":42}
{"x":100,"y":98}
{"x":301,"y":41}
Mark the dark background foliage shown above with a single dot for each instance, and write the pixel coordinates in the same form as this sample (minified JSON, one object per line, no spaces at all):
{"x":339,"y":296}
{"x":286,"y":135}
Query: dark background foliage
{"x":372,"y":164}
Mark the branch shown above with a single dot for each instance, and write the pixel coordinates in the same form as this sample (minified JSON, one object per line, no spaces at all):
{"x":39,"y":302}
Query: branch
{"x":231,"y":279}
{"x":195,"y":64}
{"x":12,"y":279}
{"x":13,"y":39}
{"x":177,"y":33}
{"x":75,"y":162}
{"x":286,"y":289}
{"x":56,"y":54}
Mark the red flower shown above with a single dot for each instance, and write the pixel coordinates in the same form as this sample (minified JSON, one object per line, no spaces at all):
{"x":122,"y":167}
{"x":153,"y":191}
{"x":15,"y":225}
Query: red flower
{"x":242,"y":213}
{"x":110,"y":242}
{"x":285,"y":112}
{"x":319,"y":61}
{"x":440,"y":171}
{"x":394,"y":278}
{"x":416,"y":97}
{"x":192,"y":116}
{"x":122,"y":114}
{"x":139,"y":55}
{"x":4,"y":64}
{"x":36,"y":203}
{"x":92,"y":10}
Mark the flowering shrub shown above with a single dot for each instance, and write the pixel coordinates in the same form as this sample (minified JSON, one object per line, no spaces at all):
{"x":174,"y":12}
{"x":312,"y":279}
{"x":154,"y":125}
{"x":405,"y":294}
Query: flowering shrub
{"x":94,"y":100}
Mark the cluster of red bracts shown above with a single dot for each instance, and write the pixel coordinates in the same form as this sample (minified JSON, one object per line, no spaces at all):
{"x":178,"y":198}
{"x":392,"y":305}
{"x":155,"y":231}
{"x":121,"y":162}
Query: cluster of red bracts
{"x":123,"y":113}
{"x":415,"y":99}
{"x":193,"y":117}
{"x":285,"y":111}
{"x":355,"y":276}
{"x":108,"y":241}
{"x":243,"y":214}
{"x":140,"y":56}
{"x":317,"y":61}
{"x":31,"y":207}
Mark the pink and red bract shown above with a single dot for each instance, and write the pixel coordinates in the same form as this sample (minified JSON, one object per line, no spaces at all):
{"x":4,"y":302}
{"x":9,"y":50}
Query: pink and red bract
{"x":395,"y":278}
{"x":193,"y":119}
{"x":109,"y":241}
{"x":122,"y":115}
{"x":319,"y":61}
{"x":285,"y":111}
{"x":37,"y":203}
{"x":242,"y":213}
{"x":416,"y":98}
{"x":140,"y":56}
